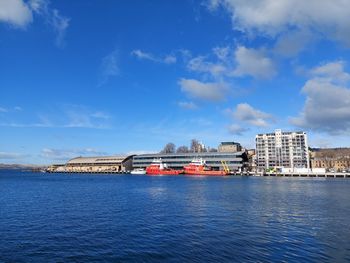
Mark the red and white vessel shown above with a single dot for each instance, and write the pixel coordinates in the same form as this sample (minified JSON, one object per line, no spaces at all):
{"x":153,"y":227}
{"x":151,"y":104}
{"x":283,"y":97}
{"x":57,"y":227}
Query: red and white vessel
{"x":199,"y":167}
{"x":157,"y":167}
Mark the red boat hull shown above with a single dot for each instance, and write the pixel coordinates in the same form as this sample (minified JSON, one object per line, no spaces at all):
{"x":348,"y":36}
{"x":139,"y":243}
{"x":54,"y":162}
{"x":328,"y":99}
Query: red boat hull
{"x":207,"y":173}
{"x":202,"y":170}
{"x":162,"y":172}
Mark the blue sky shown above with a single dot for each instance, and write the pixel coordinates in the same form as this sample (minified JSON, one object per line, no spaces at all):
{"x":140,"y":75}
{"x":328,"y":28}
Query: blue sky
{"x":118,"y":77}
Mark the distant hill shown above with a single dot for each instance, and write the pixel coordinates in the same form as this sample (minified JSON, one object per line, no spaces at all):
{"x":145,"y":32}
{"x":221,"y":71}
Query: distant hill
{"x":22,"y":166}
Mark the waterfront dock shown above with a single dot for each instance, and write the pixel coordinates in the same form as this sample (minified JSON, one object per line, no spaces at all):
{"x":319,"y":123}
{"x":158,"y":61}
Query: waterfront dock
{"x":265,"y":174}
{"x":310,"y":174}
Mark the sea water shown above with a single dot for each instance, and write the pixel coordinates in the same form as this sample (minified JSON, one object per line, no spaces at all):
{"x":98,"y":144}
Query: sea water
{"x":124,"y":218}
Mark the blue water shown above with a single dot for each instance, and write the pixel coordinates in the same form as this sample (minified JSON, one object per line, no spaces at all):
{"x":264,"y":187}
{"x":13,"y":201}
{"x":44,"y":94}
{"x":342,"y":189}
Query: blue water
{"x":124,"y":218}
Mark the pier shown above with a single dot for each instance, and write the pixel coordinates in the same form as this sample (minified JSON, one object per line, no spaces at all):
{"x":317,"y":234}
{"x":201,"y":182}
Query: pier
{"x":310,"y":174}
{"x":264,"y":174}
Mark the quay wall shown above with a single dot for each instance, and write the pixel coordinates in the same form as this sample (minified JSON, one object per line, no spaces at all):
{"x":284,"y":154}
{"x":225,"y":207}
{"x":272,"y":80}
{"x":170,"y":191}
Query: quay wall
{"x":309,"y":174}
{"x":104,"y":170}
{"x":86,"y":169}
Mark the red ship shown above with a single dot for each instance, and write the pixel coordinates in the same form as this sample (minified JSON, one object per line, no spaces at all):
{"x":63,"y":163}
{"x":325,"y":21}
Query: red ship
{"x":199,"y":167}
{"x":157,"y":167}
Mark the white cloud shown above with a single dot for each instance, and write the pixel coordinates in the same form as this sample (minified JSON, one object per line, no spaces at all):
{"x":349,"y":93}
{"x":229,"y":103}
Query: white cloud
{"x":189,"y":105}
{"x":218,"y":63}
{"x":53,"y":17}
{"x":66,"y":154}
{"x":142,"y":55}
{"x":185,"y":54}
{"x":78,"y":116}
{"x":68,"y":116}
{"x":167,"y":59}
{"x":199,"y":64}
{"x":3,"y":109}
{"x":11,"y":156}
{"x":15,"y":12}
{"x":79,"y":120}
{"x":328,"y":18}
{"x":19,"y":14}
{"x":100,"y":115}
{"x":38,"y":6}
{"x":16,"y":108}
{"x":210,"y":91}
{"x":237,"y":129}
{"x":23,"y":125}
{"x":228,"y":62}
{"x":222,"y":53}
{"x":254,"y":63}
{"x":198,"y":122}
{"x":291,"y":43}
{"x":327,"y":100}
{"x":333,"y":71}
{"x":109,"y":67}
{"x":246,"y":113}
{"x":60,"y":25}
{"x":320,"y":141}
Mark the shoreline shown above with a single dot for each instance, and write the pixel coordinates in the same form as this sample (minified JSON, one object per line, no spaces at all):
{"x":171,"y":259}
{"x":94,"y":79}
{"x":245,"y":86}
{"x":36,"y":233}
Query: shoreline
{"x":311,"y":175}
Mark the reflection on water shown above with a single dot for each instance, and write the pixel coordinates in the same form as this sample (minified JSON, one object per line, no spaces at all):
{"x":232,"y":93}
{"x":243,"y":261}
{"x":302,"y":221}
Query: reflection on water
{"x":110,"y":218}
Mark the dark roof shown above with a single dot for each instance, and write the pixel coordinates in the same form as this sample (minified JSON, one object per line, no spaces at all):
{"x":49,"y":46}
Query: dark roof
{"x":230,"y":143}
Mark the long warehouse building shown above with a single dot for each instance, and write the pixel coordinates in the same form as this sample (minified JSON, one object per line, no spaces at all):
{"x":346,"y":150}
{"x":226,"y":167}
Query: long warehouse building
{"x":113,"y":164}
{"x":235,"y":160}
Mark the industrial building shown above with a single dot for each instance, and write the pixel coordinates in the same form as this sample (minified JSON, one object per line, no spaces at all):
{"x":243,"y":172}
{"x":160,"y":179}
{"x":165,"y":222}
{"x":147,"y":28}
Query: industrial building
{"x":229,"y":147}
{"x":234,"y":160}
{"x":282,"y":149}
{"x":331,"y":159}
{"x":99,"y":164}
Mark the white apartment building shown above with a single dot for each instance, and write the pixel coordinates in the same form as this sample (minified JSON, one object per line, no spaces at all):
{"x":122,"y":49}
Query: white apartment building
{"x":282,"y":149}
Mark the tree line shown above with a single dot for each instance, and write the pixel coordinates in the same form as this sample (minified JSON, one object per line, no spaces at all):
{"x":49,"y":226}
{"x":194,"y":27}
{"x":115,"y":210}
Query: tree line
{"x":195,"y":147}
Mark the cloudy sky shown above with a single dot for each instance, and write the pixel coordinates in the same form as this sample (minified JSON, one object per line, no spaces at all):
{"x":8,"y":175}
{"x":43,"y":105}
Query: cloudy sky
{"x":107,"y":77}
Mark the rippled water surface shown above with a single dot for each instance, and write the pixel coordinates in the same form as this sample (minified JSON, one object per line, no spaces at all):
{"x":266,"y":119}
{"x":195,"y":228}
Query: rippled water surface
{"x":123,"y":218}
